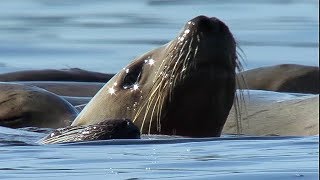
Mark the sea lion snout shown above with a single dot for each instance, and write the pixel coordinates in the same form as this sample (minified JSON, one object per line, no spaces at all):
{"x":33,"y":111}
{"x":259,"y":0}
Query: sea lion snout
{"x":211,"y":42}
{"x":208,"y":25}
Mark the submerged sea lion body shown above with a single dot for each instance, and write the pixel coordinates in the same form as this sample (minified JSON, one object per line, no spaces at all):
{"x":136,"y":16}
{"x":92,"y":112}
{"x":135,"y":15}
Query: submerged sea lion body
{"x":282,"y":78}
{"x":26,"y":106}
{"x":185,"y":87}
{"x":73,"y":74}
{"x":297,"y":116}
{"x":63,"y":88}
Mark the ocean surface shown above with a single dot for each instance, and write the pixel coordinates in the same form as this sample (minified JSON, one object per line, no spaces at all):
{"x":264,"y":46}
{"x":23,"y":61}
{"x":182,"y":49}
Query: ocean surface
{"x":104,"y":36}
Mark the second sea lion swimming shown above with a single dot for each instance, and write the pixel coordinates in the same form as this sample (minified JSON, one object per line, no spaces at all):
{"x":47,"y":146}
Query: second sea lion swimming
{"x":108,"y":129}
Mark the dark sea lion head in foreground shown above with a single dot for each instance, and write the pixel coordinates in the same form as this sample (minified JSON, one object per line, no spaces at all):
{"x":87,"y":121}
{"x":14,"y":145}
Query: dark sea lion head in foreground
{"x":185,"y":87}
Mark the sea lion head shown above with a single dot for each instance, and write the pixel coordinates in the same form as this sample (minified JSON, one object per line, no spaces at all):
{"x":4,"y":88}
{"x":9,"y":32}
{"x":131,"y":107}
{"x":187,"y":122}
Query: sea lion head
{"x":185,"y":87}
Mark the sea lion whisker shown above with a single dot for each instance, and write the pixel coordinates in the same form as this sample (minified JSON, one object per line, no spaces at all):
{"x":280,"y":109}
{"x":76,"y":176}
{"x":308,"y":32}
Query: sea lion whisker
{"x":185,"y":61}
{"x":145,"y":114}
{"x":150,"y":94}
{"x":159,"y":114}
{"x":189,"y":50}
{"x":148,"y":102}
{"x":239,"y":101}
{"x":238,"y":116}
{"x":181,"y":54}
{"x":183,"y":46}
{"x":71,"y":134}
{"x":152,"y":113}
{"x":158,"y":90}
{"x":156,"y":106}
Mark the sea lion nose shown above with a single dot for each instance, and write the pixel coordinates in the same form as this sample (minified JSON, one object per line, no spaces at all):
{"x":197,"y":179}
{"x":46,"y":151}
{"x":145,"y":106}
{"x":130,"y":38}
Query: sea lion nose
{"x":206,"y":24}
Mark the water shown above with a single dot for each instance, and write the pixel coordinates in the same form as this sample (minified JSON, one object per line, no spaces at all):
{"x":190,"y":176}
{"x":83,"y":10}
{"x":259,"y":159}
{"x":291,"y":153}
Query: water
{"x":104,"y":36}
{"x":166,"y":158}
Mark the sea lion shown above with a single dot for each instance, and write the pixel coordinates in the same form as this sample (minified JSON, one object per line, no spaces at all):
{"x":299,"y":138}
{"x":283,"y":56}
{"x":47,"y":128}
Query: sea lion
{"x":282,"y":78}
{"x":292,"y":117}
{"x":77,"y":101}
{"x":73,"y":74}
{"x":64,"y":88}
{"x":107,"y":129}
{"x":25,"y":106}
{"x":185,"y":87}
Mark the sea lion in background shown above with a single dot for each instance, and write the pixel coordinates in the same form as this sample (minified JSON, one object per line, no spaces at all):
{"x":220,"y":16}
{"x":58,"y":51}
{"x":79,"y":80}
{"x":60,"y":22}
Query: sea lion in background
{"x":73,"y":74}
{"x":62,"y":88}
{"x":294,"y":117}
{"x":77,"y":101}
{"x":282,"y":78}
{"x":185,"y":87}
{"x":26,"y":106}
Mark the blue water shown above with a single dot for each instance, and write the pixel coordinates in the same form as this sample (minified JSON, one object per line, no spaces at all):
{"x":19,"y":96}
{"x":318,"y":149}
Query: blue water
{"x":163,"y":157}
{"x":104,"y":36}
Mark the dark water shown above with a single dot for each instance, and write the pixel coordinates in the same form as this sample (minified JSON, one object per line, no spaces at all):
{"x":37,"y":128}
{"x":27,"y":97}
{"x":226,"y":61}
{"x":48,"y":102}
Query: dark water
{"x":104,"y":36}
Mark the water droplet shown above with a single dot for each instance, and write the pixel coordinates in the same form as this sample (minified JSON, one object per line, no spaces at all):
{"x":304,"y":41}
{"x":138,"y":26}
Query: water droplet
{"x":85,"y":132}
{"x":135,"y":87}
{"x":112,"y":90}
{"x":151,"y":62}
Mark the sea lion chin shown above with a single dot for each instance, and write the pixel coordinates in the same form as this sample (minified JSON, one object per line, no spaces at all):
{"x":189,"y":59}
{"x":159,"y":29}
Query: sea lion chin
{"x":185,"y":87}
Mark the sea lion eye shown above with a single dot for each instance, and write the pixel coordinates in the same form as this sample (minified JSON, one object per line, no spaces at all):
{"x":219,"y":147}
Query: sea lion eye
{"x":132,"y":77}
